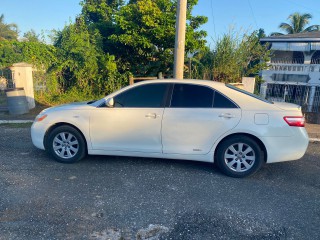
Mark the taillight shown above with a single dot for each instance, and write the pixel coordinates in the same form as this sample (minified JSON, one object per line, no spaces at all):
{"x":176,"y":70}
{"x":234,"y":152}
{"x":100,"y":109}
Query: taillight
{"x":295,"y":121}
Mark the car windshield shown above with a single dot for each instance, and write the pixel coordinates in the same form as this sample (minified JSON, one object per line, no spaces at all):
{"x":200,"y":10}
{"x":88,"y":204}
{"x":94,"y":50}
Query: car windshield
{"x":90,"y":102}
{"x":248,"y":93}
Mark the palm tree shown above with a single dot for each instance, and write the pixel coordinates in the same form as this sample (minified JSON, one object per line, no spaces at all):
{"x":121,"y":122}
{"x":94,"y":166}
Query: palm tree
{"x":298,"y":23}
{"x":8,"y":31}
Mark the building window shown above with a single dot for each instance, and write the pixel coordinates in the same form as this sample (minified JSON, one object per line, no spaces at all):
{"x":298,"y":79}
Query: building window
{"x":315,"y":58}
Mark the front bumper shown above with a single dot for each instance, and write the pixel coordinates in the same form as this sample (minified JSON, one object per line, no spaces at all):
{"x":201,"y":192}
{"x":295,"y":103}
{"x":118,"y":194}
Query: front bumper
{"x":38,"y":131}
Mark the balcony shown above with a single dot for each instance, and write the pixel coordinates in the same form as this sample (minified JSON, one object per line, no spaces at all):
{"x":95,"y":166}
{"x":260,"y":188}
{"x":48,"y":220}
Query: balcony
{"x":290,"y":68}
{"x":287,"y":60}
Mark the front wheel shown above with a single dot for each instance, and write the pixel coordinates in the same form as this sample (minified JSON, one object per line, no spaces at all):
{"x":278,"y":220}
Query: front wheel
{"x":66,"y":144}
{"x":239,"y":156}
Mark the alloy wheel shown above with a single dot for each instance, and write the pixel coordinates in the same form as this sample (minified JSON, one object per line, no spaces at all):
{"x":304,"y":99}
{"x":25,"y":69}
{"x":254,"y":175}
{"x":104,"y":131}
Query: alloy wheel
{"x":239,"y":157}
{"x":65,"y":145}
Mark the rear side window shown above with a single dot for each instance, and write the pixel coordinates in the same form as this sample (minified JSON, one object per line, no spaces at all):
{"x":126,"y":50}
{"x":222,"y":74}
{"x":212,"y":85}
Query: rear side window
{"x":248,"y":93}
{"x":221,"y":101}
{"x":191,"y":96}
{"x":145,"y":96}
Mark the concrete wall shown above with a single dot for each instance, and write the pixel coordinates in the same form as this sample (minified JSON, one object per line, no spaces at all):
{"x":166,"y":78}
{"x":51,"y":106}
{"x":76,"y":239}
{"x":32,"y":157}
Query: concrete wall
{"x":249,"y":84}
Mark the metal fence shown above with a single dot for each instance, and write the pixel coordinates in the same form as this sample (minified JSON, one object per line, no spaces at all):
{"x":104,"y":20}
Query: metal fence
{"x":307,"y":96}
{"x":6,"y":82}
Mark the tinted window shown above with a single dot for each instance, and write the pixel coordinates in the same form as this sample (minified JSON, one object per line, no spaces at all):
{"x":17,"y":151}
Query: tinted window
{"x":146,"y":96}
{"x":191,"y":96}
{"x":221,"y":101}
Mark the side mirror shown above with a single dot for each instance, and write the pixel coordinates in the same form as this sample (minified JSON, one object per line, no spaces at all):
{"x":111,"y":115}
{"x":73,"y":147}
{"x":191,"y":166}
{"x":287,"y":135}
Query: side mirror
{"x":110,"y":102}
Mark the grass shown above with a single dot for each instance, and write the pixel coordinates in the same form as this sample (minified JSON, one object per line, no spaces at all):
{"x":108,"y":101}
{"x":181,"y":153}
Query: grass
{"x":16,"y":125}
{"x":3,"y":99}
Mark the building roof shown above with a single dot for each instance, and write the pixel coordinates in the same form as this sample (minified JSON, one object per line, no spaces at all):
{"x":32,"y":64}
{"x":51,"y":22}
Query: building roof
{"x":21,"y":64}
{"x":297,"y":37}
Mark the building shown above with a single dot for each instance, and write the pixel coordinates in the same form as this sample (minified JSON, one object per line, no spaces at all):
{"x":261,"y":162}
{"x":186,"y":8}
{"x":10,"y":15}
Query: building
{"x":294,"y":70}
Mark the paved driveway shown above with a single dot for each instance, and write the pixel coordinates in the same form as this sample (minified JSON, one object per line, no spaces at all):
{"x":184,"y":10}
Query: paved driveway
{"x":104,"y":197}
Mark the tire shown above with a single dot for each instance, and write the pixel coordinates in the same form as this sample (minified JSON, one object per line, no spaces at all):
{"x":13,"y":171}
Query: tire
{"x":239,"y":156}
{"x":66,"y":144}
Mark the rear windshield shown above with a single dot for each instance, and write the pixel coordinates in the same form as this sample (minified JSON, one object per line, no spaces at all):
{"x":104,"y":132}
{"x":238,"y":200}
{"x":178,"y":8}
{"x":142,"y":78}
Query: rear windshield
{"x":248,"y":93}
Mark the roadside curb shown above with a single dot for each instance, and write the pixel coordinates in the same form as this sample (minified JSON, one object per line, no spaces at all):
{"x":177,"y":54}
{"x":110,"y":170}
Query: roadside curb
{"x":314,"y":139}
{"x":15,"y":121}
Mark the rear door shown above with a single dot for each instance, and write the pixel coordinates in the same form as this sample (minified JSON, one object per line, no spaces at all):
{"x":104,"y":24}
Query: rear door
{"x":196,"y":117}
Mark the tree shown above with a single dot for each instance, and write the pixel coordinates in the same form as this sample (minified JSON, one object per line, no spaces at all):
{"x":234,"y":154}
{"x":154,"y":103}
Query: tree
{"x":78,"y":54}
{"x":31,"y":36}
{"x":82,"y":66}
{"x":141,"y":33}
{"x":235,"y":57}
{"x":8,"y":31}
{"x":38,"y":54}
{"x":297,"y":24}
{"x":100,"y":15}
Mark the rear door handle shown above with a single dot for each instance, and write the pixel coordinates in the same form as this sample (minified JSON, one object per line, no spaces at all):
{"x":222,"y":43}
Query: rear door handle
{"x":151,"y":115}
{"x":227,"y":115}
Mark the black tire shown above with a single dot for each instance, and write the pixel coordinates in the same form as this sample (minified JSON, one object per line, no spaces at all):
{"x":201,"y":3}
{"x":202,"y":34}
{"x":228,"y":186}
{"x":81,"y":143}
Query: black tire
{"x":66,"y":144}
{"x":236,"y":162}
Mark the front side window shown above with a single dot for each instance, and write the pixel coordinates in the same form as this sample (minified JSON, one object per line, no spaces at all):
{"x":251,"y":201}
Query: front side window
{"x":144,"y":96}
{"x":191,"y":96}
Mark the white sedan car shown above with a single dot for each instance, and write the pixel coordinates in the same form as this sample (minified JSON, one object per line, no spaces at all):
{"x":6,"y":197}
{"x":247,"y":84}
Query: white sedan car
{"x":177,"y":119}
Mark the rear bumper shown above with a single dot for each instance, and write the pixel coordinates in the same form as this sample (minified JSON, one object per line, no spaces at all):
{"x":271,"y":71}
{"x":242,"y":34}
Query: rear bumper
{"x":280,"y":149}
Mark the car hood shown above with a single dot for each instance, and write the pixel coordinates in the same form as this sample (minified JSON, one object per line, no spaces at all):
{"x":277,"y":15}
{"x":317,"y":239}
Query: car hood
{"x":287,"y":106}
{"x":70,"y":106}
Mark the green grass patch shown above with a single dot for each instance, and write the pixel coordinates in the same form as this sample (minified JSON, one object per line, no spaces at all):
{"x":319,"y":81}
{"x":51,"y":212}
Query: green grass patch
{"x":16,"y":125}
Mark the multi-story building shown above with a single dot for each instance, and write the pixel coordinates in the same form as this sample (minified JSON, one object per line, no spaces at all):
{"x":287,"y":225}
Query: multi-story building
{"x":293,"y":74}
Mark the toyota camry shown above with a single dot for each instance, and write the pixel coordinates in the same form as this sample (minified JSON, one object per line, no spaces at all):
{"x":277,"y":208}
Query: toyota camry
{"x":176,"y":119}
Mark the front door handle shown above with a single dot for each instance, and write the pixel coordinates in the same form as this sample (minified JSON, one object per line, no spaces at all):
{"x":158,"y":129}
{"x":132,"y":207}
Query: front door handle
{"x":227,"y":115}
{"x":151,"y":115}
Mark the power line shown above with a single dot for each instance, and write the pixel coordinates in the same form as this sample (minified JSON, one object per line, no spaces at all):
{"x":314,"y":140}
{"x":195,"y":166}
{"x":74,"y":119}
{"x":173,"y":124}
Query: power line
{"x":254,"y":18}
{"x":214,"y":25}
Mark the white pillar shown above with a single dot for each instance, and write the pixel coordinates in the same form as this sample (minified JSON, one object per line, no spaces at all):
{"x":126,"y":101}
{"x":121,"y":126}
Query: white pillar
{"x":311,"y":98}
{"x":22,"y":78}
{"x":263,"y":90}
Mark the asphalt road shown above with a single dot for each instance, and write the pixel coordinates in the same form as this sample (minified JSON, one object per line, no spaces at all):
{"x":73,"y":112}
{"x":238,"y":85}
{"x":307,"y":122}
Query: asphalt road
{"x":115,"y":197}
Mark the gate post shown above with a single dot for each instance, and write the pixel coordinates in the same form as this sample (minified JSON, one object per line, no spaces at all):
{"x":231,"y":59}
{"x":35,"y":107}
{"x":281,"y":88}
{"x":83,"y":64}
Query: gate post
{"x":311,"y":98}
{"x":22,"y":78}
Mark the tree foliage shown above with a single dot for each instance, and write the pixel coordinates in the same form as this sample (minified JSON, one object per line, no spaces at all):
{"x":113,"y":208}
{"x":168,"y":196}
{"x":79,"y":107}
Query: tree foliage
{"x":8,"y":31}
{"x":39,"y":54}
{"x":109,"y":39}
{"x":236,"y":56}
{"x":81,"y":61}
{"x":297,"y":23}
{"x":31,"y":36}
{"x":141,"y":33}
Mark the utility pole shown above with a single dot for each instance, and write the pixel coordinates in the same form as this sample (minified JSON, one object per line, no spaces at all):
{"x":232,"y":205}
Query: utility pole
{"x":180,"y":39}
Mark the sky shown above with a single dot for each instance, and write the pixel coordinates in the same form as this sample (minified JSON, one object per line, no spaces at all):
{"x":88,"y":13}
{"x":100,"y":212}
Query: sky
{"x":244,"y":15}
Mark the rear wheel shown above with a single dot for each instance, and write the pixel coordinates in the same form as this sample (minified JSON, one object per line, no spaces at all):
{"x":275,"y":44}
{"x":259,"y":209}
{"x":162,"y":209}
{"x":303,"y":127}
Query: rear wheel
{"x":66,"y":144}
{"x":239,"y":156}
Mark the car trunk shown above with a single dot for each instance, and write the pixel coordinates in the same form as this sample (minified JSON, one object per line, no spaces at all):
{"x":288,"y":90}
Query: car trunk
{"x":288,"y":106}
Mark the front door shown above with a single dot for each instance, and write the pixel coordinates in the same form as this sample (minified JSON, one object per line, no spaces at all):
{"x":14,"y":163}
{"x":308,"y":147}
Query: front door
{"x":133,"y":124}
